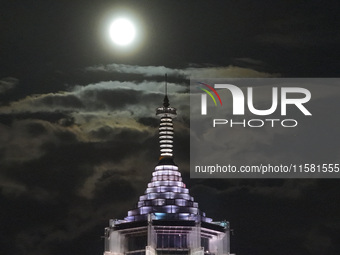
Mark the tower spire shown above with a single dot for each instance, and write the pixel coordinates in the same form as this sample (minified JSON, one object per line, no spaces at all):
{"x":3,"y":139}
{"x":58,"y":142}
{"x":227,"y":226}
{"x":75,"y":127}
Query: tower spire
{"x":166,"y":100}
{"x":166,"y":84}
{"x":166,"y":131}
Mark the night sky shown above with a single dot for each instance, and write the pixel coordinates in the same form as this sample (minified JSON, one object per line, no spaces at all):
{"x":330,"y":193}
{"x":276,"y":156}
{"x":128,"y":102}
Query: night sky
{"x":78,"y":131}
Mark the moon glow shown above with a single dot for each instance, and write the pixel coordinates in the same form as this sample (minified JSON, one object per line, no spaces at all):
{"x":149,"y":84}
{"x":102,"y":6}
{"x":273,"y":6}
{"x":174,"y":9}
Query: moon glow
{"x":122,"y":31}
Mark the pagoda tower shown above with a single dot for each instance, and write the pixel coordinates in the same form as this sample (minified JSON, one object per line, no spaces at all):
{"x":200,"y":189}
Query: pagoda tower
{"x":166,"y":219}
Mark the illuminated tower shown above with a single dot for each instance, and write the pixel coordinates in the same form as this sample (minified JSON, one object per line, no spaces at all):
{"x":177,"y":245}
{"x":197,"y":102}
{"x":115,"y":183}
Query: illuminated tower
{"x":166,"y":219}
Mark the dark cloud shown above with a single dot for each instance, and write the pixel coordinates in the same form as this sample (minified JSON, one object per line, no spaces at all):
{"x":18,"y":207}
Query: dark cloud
{"x":66,"y":122}
{"x":199,"y":71}
{"x":36,"y":129}
{"x":109,"y":186}
{"x":52,"y":117}
{"x":145,"y":70}
{"x":149,"y":121}
{"x":113,"y":99}
{"x":117,"y":134}
{"x":8,"y":83}
{"x":61,"y":101}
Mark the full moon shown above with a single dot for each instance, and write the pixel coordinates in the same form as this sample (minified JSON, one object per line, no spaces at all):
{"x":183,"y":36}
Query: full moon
{"x":122,"y":31}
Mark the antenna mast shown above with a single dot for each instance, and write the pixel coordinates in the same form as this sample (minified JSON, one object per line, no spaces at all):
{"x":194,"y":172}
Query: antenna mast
{"x":166,"y":100}
{"x":166,"y":84}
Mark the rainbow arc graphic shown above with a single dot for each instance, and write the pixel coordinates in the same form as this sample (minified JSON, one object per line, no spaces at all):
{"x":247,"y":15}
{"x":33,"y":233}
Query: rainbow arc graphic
{"x":209,"y":93}
{"x":204,"y":97}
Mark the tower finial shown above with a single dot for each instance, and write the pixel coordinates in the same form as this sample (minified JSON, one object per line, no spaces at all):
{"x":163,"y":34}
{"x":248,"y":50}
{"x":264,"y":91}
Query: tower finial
{"x":166,"y":100}
{"x":166,"y":84}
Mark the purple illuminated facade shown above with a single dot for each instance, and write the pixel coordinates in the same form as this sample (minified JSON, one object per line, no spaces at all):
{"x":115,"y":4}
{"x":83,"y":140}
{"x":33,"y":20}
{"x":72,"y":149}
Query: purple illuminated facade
{"x":166,"y":219}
